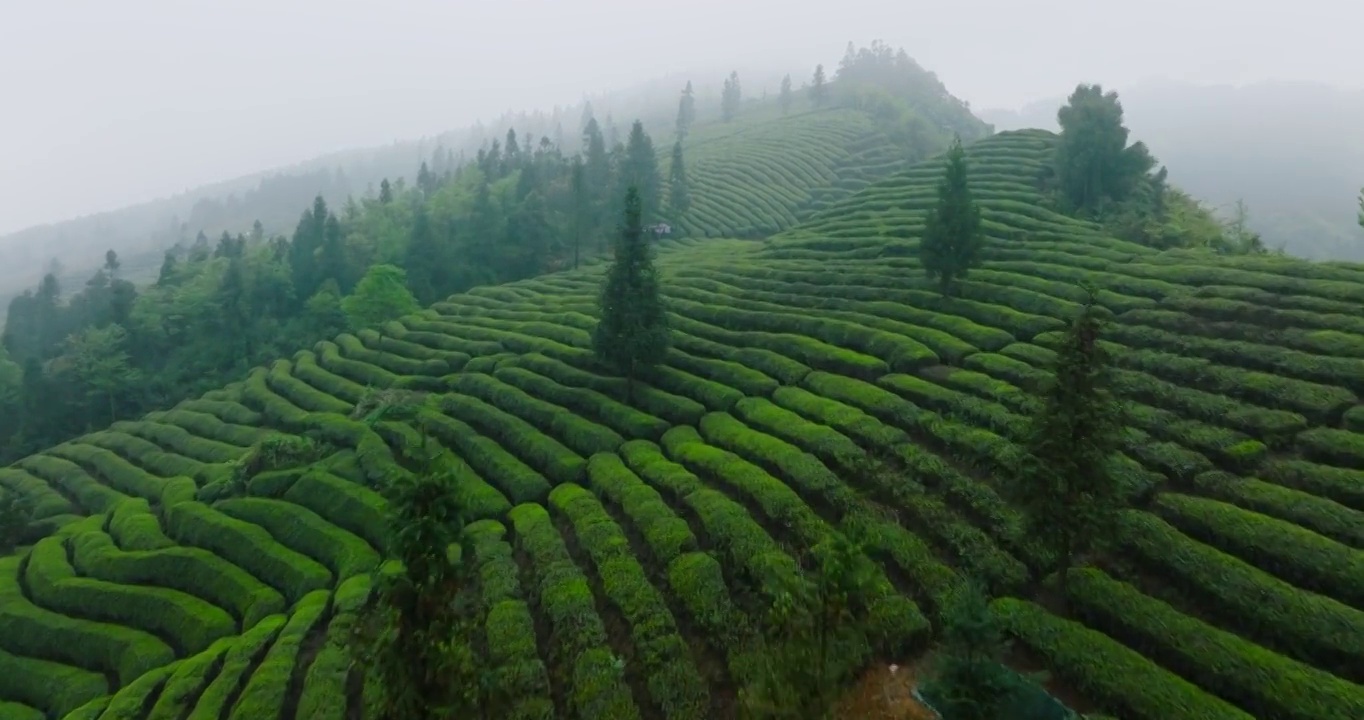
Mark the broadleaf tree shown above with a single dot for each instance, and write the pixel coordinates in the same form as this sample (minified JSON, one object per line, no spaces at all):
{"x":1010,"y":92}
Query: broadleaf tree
{"x":632,"y":332}
{"x":380,"y":296}
{"x":1094,"y":163}
{"x":953,"y":237}
{"x":415,"y":642}
{"x":1065,"y":483}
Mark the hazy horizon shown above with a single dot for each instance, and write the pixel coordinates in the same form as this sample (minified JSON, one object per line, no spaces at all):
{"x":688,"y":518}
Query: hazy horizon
{"x":115,"y":104}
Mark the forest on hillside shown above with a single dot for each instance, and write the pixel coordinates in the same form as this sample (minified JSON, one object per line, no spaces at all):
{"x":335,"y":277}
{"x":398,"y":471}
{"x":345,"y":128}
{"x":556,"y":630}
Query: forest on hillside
{"x":79,"y":358}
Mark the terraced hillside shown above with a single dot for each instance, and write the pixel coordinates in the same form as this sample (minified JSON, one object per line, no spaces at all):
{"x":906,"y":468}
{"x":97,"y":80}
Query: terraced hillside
{"x":764,"y":172}
{"x":649,"y":532}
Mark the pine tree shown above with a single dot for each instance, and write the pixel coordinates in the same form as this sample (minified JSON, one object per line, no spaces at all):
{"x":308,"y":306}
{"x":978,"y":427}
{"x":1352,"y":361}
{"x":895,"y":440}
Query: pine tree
{"x":686,"y":111}
{"x":632,"y":332}
{"x":785,"y":97}
{"x":969,"y":681}
{"x":385,"y":192}
{"x":819,"y":92}
{"x":952,"y":234}
{"x":640,"y":170}
{"x":582,"y":208}
{"x":1065,"y":482}
{"x":731,"y":97}
{"x":679,"y":195}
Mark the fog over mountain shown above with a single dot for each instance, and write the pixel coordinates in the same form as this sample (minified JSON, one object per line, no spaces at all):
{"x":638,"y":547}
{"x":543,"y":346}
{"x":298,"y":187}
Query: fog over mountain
{"x":1292,"y":151}
{"x":145,"y":99}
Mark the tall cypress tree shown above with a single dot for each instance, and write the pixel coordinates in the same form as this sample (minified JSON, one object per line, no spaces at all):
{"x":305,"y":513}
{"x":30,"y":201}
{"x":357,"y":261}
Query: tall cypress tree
{"x":952,"y":234}
{"x":785,"y":97}
{"x":640,"y":170}
{"x":819,"y":93}
{"x":679,"y":195}
{"x":632,"y":332}
{"x":731,"y":97}
{"x":686,"y":111}
{"x":1065,"y":484}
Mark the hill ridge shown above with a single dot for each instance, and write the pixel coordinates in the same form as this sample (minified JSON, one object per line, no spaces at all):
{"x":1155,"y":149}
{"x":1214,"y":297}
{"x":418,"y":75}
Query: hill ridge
{"x":795,"y":358}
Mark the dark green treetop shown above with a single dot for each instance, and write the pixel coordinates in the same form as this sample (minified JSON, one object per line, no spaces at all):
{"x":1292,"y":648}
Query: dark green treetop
{"x":953,"y":237}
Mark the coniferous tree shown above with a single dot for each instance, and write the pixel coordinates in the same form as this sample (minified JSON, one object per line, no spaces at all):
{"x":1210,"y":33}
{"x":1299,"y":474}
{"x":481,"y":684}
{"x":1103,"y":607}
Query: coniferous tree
{"x":785,"y":97}
{"x":968,"y":680}
{"x":596,"y":174}
{"x":385,"y":192}
{"x":819,"y":92}
{"x":679,"y":195}
{"x":1065,"y":482}
{"x":1361,"y":207}
{"x":632,"y":332}
{"x":686,"y":111}
{"x":426,"y":180}
{"x":731,"y":97}
{"x":167,"y":273}
{"x":952,"y":234}
{"x":640,"y":171}
{"x":582,"y":207}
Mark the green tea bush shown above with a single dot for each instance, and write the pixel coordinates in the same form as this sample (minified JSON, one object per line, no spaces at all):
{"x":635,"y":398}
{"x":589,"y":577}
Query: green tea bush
{"x":666,"y":534}
{"x":51,"y":687}
{"x":1293,"y":553}
{"x":348,"y":506}
{"x":122,"y":475}
{"x":132,"y":700}
{"x":558,"y":463}
{"x":673,"y":682}
{"x":625,"y":420}
{"x":188,"y":681}
{"x":240,"y":659}
{"x":74,"y":482}
{"x":32,"y":631}
{"x":248,"y":547}
{"x":305,"y":532}
{"x":1313,"y":628}
{"x":210,"y":426}
{"x":1342,"y":485}
{"x":192,"y":571}
{"x":1317,"y":514}
{"x":584,"y":436}
{"x":265,"y":691}
{"x":580,"y":650}
{"x":1118,"y":679}
{"x":1226,"y":664}
{"x":190,"y":624}
{"x":729,"y":527}
{"x":517,"y":481}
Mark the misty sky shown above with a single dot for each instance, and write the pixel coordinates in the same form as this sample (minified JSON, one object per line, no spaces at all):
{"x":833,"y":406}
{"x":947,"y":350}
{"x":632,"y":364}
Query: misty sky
{"x":103,"y":104}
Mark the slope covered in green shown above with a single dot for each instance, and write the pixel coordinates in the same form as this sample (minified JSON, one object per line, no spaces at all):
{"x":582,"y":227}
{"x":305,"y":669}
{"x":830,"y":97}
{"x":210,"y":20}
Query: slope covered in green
{"x":654,"y":532}
{"x":761,"y":174}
